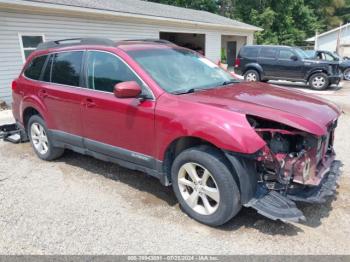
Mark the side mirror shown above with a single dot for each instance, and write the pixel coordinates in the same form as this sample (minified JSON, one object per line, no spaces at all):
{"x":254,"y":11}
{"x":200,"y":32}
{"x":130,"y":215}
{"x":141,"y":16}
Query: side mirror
{"x":294,"y":58}
{"x":130,"y":89}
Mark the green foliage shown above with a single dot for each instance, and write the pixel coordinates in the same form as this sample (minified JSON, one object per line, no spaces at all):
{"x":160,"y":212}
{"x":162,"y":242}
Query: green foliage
{"x":206,"y":5}
{"x":223,"y":55}
{"x":284,"y":22}
{"x":287,"y":22}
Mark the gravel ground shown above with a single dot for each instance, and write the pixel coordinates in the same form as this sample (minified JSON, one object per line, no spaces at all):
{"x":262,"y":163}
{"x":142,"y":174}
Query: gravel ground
{"x":79,"y":205}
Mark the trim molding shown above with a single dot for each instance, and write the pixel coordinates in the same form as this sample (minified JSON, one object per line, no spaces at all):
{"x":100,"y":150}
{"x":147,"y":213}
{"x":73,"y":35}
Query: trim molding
{"x":123,"y":157}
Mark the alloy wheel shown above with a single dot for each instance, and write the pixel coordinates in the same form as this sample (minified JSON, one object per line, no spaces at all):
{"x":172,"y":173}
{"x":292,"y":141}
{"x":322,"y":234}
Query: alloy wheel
{"x":251,"y":77}
{"x":198,"y":188}
{"x":347,"y":74}
{"x":39,"y":138}
{"x":318,"y":82}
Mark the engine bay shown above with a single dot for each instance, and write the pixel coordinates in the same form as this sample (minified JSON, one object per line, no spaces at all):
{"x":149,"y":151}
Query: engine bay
{"x":291,"y":157}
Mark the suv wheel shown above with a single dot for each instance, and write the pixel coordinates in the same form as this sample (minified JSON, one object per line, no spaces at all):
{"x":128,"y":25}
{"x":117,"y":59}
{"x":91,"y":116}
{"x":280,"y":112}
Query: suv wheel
{"x":40,"y":139}
{"x":252,"y":76}
{"x":347,"y":74}
{"x":204,"y":186}
{"x":319,"y":81}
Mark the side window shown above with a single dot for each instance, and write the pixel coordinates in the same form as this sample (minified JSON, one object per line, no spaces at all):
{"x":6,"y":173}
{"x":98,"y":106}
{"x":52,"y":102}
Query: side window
{"x":250,"y":52}
{"x":285,"y":54}
{"x":66,"y":67}
{"x":268,"y":52}
{"x":33,"y":71}
{"x":105,"y":70}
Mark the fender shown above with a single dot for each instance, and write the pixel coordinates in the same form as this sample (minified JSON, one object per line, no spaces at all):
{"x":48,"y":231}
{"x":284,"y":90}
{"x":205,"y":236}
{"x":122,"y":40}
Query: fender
{"x":254,"y":66}
{"x":34,"y":102}
{"x":316,"y":70}
{"x":224,"y":129}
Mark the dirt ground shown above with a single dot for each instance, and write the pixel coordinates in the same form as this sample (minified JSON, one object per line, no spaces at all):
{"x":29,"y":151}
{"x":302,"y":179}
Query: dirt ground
{"x":79,"y":205}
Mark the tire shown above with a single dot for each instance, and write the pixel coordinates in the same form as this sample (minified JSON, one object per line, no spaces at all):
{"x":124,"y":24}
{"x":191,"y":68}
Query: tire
{"x":319,"y":81}
{"x":40,"y":140}
{"x":347,"y":74}
{"x":252,"y":76}
{"x":220,"y":182}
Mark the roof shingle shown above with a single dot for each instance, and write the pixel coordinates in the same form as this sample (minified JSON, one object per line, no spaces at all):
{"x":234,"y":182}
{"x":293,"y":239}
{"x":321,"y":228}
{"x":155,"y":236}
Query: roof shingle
{"x":139,"y":7}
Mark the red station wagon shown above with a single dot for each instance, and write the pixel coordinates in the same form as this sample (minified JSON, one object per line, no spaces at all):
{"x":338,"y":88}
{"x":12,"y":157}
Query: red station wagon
{"x":152,"y":106}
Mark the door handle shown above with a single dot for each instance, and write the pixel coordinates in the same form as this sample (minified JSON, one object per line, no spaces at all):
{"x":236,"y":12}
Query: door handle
{"x":90,"y":103}
{"x":43,"y":93}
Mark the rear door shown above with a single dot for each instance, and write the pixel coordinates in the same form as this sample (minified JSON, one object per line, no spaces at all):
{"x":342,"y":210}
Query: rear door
{"x":62,"y":93}
{"x":290,"y":68}
{"x":268,"y":61}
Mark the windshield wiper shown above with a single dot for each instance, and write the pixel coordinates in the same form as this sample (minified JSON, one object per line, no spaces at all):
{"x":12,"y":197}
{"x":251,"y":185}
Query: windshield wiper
{"x":230,"y":82}
{"x":187,"y":91}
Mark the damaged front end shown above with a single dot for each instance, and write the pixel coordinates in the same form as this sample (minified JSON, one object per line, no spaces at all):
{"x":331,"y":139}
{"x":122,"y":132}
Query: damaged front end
{"x":293,"y":166}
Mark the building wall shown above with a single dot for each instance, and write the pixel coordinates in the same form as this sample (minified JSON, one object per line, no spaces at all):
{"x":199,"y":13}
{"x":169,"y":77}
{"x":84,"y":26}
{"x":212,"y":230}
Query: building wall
{"x":329,"y":42}
{"x":55,"y":27}
{"x":240,"y":40}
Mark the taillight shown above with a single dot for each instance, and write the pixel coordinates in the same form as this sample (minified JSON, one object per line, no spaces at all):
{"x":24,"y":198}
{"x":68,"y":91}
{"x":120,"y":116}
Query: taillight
{"x":14,"y":85}
{"x":237,"y":62}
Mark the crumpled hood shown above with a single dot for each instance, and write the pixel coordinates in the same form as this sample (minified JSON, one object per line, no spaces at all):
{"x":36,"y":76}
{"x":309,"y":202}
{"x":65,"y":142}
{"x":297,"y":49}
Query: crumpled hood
{"x":317,"y":61}
{"x":291,"y":107}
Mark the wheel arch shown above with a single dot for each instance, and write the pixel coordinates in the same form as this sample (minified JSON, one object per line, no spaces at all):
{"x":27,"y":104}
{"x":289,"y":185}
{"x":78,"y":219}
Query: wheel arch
{"x":253,"y":66}
{"x":241,"y":169}
{"x":316,"y":71}
{"x":28,"y":112}
{"x":33,"y":105}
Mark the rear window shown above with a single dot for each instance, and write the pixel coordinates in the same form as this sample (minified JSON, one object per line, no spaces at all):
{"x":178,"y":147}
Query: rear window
{"x":35,"y":67}
{"x":66,"y":68}
{"x":250,"y":51}
{"x":268,"y":52}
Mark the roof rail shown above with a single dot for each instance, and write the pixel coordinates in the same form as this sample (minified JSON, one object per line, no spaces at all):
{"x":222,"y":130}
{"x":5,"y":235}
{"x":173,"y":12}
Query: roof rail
{"x":76,"y":41}
{"x":158,"y":41}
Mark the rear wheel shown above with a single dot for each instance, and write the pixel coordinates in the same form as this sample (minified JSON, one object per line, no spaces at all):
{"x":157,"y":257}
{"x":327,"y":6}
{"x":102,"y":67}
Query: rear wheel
{"x":204,"y":186}
{"x":347,"y":74}
{"x":319,"y":81}
{"x":252,"y":76}
{"x":40,"y":139}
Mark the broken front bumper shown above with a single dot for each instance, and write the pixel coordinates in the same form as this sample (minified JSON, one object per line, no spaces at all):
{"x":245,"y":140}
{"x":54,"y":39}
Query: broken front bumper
{"x":281,"y":205}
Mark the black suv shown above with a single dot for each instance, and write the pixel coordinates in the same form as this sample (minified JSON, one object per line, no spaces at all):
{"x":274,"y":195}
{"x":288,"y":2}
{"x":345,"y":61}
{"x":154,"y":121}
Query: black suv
{"x":263,"y":63}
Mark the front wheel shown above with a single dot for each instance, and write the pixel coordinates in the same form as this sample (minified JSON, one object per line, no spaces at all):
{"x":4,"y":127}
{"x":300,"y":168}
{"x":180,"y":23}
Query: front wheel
{"x":319,"y":81}
{"x":204,"y":186}
{"x":347,"y":74}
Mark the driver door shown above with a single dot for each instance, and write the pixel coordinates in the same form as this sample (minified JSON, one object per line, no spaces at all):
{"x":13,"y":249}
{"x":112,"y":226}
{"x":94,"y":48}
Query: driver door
{"x":289,"y":67}
{"x":116,"y":127}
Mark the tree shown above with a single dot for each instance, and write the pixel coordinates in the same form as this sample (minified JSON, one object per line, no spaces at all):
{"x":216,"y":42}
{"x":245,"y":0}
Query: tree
{"x":205,"y":5}
{"x":329,"y":12}
{"x":284,"y":21}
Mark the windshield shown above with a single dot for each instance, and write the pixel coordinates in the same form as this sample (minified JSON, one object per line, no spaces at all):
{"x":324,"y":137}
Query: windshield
{"x":302,"y":53}
{"x":180,"y":70}
{"x":336,"y":56}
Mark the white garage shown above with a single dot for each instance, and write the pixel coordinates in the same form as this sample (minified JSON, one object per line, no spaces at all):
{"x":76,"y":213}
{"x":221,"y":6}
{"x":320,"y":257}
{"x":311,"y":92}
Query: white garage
{"x":329,"y":40}
{"x":25,"y":24}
